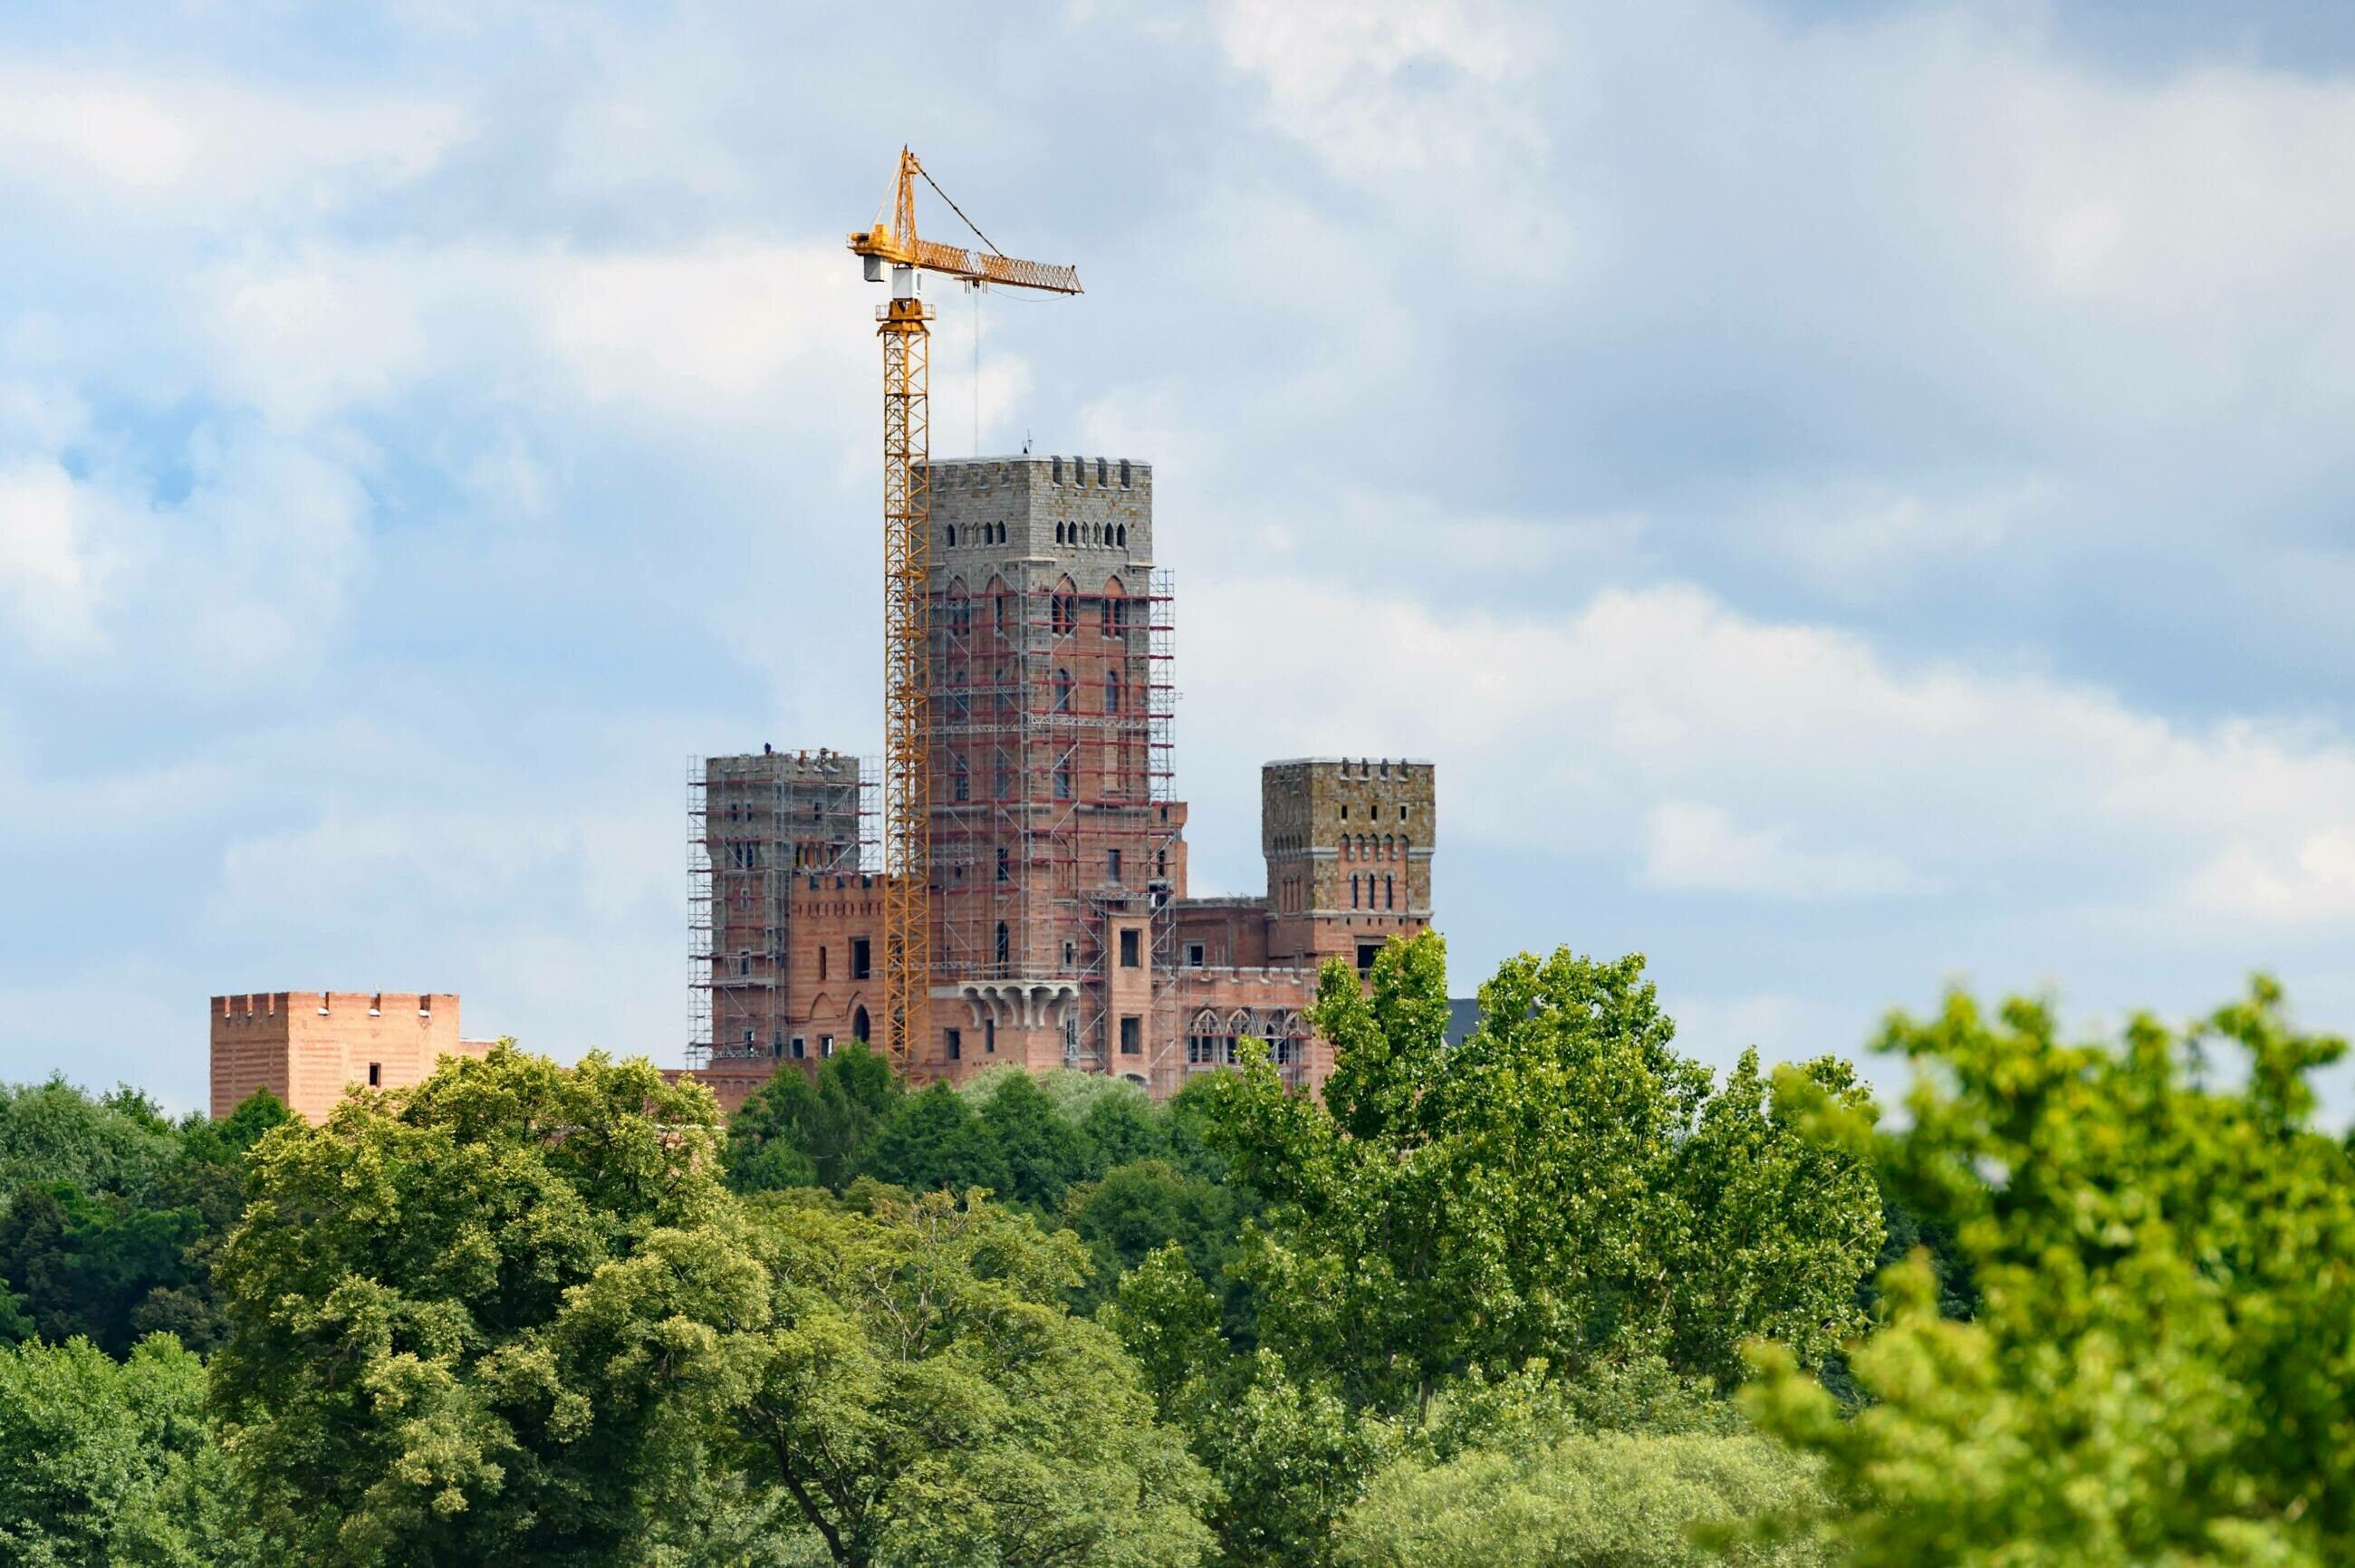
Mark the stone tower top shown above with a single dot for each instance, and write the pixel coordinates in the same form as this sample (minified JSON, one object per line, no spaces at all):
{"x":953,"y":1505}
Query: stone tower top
{"x":1094,"y":515}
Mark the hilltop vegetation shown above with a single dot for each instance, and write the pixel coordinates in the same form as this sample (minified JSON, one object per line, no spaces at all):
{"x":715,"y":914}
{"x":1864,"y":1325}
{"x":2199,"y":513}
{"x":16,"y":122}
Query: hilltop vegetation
{"x":1556,"y":1296}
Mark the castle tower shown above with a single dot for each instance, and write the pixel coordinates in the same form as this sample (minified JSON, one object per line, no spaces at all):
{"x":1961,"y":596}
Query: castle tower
{"x":757,"y":823}
{"x":1348,"y":845}
{"x":308,"y":1047}
{"x":1055,"y":841}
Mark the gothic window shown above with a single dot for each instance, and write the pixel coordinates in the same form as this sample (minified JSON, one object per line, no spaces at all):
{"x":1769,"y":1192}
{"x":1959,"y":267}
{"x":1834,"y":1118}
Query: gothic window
{"x":1353,"y":889}
{"x":859,"y":1025}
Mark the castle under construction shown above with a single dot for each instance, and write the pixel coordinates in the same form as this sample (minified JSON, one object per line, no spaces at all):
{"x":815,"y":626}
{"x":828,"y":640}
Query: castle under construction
{"x":1062,"y":929}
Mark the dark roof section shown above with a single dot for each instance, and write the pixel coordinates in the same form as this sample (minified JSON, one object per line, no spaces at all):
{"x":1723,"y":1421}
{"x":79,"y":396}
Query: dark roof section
{"x":1462,"y":1018}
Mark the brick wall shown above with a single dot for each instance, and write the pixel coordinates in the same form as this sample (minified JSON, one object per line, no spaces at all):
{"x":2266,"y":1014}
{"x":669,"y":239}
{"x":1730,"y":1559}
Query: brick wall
{"x":308,"y":1047}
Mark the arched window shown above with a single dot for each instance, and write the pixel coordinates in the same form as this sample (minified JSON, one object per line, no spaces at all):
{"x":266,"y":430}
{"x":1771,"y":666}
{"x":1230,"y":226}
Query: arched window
{"x":1004,"y":945}
{"x":1112,"y":691}
{"x":1062,"y":691}
{"x":1388,"y":900}
{"x":1123,"y":536}
{"x":859,"y":1025}
{"x":953,"y":535}
{"x":1386,"y":847}
{"x":1353,"y":889}
{"x":1063,"y":610}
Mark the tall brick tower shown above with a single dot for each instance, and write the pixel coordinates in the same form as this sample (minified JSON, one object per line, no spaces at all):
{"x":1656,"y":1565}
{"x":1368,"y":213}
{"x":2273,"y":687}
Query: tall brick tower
{"x":1054,"y":838}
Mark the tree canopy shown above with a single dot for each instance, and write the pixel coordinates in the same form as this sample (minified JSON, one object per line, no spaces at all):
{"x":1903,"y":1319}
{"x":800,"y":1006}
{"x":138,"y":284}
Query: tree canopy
{"x":2161,"y":1359}
{"x":481,"y":1318}
{"x":1562,"y":1186}
{"x":925,"y":1397}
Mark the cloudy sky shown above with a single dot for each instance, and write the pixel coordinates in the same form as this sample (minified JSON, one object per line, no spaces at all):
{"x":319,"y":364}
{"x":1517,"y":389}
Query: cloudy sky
{"x":1852,"y":496}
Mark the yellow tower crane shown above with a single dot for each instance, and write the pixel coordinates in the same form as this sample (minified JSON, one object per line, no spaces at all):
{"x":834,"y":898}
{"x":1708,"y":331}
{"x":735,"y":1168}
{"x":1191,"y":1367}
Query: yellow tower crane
{"x":892,"y":246}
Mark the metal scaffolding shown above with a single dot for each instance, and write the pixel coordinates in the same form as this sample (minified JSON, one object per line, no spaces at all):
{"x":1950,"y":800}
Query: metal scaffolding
{"x":756,"y":821}
{"x":1051,"y":794}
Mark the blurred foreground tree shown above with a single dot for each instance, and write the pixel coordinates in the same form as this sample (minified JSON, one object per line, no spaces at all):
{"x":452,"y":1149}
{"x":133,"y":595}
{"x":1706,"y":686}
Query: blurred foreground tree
{"x":2161,"y":1361}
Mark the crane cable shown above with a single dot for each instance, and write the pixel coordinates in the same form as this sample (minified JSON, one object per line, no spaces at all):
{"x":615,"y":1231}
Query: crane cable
{"x":969,"y":223}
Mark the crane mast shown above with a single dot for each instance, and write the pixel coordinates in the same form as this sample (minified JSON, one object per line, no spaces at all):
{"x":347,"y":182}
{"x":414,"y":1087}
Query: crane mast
{"x":907,"y":727}
{"x":891,"y":246}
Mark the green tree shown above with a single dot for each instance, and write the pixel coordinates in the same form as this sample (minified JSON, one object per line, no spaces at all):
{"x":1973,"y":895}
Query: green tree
{"x":1044,"y":1152}
{"x":104,"y":1464}
{"x":933,"y":1141}
{"x":483,"y":1319}
{"x":800,"y":1130}
{"x":926,"y":1399}
{"x":54,"y":1132}
{"x":1583,"y":1500}
{"x":97,"y":1268}
{"x":1562,"y":1187}
{"x":2160,"y":1365}
{"x":1137,"y":1209}
{"x":1123,"y":1129}
{"x":1285,"y":1456}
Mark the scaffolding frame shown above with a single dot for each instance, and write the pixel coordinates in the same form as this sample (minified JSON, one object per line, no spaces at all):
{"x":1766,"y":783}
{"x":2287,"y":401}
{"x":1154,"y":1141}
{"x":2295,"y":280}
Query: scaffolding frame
{"x":1051,"y":737}
{"x":755,"y":822}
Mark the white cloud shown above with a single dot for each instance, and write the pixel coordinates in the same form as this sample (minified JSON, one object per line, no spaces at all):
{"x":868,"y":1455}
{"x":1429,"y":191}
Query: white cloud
{"x":1620,"y":724}
{"x":719,"y":330}
{"x":204,"y":149}
{"x":49,"y":571}
{"x":1692,"y":846}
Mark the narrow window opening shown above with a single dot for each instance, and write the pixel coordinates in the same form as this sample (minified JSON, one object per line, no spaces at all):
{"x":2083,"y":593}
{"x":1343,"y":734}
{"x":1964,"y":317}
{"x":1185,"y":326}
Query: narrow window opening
{"x":861,"y":958}
{"x":376,"y":1074}
{"x":955,"y":1040}
{"x":1130,"y":957}
{"x":1132,"y":1036}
